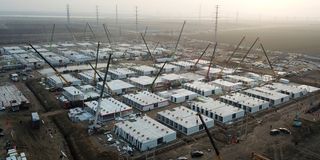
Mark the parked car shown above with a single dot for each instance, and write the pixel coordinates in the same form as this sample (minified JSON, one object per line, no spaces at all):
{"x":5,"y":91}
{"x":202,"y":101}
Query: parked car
{"x":274,"y":132}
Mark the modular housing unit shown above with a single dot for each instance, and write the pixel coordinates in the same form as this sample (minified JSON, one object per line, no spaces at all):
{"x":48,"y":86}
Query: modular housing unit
{"x":217,"y":110}
{"x":184,"y":120}
{"x":110,"y":108}
{"x":57,"y":82}
{"x":29,"y":60}
{"x":144,"y":133}
{"x":144,"y":82}
{"x":55,"y":59}
{"x":292,"y":90}
{"x":309,"y":89}
{"x":247,"y":103}
{"x":88,"y":76}
{"x":184,"y":65}
{"x":178,"y":95}
{"x":168,"y":67}
{"x":117,"y":87}
{"x":192,"y":77}
{"x":202,"y":88}
{"x":145,"y":101}
{"x":275,"y":98}
{"x":144,"y":70}
{"x":121,"y":73}
{"x":12,"y":97}
{"x":72,"y":94}
{"x":172,"y":79}
{"x":89,"y":92}
{"x":76,"y":57}
{"x":247,"y":82}
{"x":226,"y":85}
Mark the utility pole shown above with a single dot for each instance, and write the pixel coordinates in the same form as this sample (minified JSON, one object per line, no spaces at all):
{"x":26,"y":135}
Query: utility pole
{"x":136,"y":19}
{"x":68,"y":13}
{"x":216,"y":24}
{"x":97,"y":14}
{"x":116,"y":14}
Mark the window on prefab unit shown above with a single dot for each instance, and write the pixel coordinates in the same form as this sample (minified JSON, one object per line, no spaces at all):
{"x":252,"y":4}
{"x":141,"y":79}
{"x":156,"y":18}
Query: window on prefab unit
{"x":234,"y":115}
{"x":211,"y":115}
{"x":187,"y":97}
{"x":249,"y":109}
{"x":213,"y":92}
{"x":220,"y":119}
{"x":155,"y":105}
{"x":160,"y":140}
{"x":207,"y":113}
{"x":200,"y":127}
{"x":216,"y":117}
{"x":260,"y":107}
{"x":185,"y":130}
{"x":281,"y":99}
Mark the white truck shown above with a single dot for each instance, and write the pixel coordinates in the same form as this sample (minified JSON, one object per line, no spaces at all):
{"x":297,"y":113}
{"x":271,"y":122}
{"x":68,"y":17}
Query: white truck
{"x":14,"y":77}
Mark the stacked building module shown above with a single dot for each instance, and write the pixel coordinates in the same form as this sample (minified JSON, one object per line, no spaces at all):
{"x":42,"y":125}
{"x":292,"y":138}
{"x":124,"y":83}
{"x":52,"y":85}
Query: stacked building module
{"x":226,"y":85}
{"x":292,"y":90}
{"x":57,"y":82}
{"x":184,"y":65}
{"x":184,"y":120}
{"x":110,"y":108}
{"x":247,"y":82}
{"x":145,"y":101}
{"x":144,"y":82}
{"x":168,"y":67}
{"x":144,"y":70}
{"x":219,"y":111}
{"x":274,"y":97}
{"x":117,"y":87}
{"x":29,"y":60}
{"x":88,"y":76}
{"x":144,"y":133}
{"x":12,"y":98}
{"x":121,"y":73}
{"x":247,"y":103}
{"x":179,"y":95}
{"x":202,"y":88}
{"x":55,"y":59}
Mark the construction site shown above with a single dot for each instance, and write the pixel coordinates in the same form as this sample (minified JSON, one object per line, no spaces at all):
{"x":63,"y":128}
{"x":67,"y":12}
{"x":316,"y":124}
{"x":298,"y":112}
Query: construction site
{"x":111,"y":91}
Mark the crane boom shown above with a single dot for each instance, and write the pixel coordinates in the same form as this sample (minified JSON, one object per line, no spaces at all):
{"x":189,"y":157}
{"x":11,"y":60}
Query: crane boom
{"x":55,"y":70}
{"x":95,"y":70}
{"x":176,"y":47}
{"x":244,"y":57}
{"x":69,"y":30}
{"x":265,"y":53}
{"x":155,"y":47}
{"x":101,"y":93}
{"x":52,"y":33}
{"x":211,"y":60}
{"x":234,"y":51}
{"x":195,"y":65}
{"x":152,"y":84}
{"x":210,"y":137}
{"x":94,"y":35}
{"x":96,"y":65}
{"x":107,"y":33}
{"x":144,"y":41}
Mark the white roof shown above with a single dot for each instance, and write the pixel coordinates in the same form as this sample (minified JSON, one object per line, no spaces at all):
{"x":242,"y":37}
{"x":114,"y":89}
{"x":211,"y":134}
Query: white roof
{"x":144,"y":80}
{"x":285,"y":87}
{"x":182,"y":93}
{"x":240,"y":78}
{"x":244,"y":100}
{"x":224,"y":83}
{"x":89,"y":74}
{"x":183,"y":63}
{"x":85,"y":44}
{"x":202,"y":86}
{"x":201,"y":61}
{"x":309,"y":88}
{"x":10,"y":93}
{"x":68,"y":77}
{"x":264,"y":92}
{"x":171,"y":77}
{"x":145,"y":98}
{"x":214,"y":70}
{"x":192,"y":76}
{"x":121,"y":71}
{"x":167,"y":66}
{"x":184,"y":116}
{"x":144,"y":68}
{"x":117,"y":85}
{"x":108,"y":106}
{"x":217,"y":107}
{"x":144,"y":129}
{"x":72,"y":90}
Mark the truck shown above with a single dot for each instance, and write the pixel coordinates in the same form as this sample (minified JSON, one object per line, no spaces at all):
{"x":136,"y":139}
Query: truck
{"x":35,"y":120}
{"x":14,"y":77}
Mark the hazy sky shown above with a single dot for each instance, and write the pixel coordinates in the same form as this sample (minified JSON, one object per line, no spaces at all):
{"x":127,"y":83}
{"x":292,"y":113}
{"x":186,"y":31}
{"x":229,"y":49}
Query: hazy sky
{"x":173,"y":8}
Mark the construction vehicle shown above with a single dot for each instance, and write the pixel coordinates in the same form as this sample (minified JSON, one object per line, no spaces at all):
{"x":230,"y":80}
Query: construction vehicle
{"x":95,"y":123}
{"x":55,"y":70}
{"x":211,"y":61}
{"x":230,"y":57}
{"x":205,"y":50}
{"x":218,"y":156}
{"x":14,"y":77}
{"x":152,"y":87}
